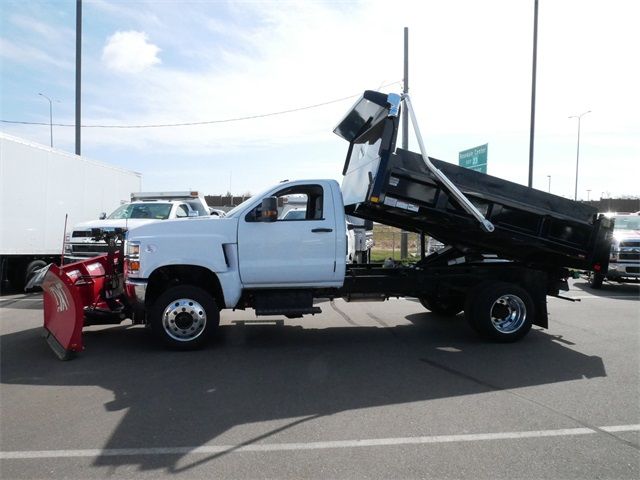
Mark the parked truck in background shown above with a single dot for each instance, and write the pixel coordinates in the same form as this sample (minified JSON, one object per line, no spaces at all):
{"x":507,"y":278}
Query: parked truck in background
{"x":144,"y":207}
{"x":359,"y":240}
{"x":624,"y":261}
{"x":41,"y":186}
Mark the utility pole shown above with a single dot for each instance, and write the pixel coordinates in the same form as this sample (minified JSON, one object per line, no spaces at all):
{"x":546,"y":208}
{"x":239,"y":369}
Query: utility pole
{"x":549,"y":189}
{"x":533,"y":91}
{"x":405,"y":130}
{"x":78,"y":71}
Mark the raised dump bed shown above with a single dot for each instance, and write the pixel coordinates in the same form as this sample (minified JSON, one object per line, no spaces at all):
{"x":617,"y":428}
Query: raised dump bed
{"x":396,"y":187}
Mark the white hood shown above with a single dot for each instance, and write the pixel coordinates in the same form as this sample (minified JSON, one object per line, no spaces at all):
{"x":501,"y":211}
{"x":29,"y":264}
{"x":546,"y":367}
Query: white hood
{"x":127,"y":223}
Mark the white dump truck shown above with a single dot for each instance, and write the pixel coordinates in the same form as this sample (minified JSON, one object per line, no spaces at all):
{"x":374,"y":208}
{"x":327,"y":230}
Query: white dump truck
{"x":508,"y":248}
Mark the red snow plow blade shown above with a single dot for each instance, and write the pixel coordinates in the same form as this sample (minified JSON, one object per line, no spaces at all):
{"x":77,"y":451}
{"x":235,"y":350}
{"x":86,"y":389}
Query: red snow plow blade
{"x":70,"y":292}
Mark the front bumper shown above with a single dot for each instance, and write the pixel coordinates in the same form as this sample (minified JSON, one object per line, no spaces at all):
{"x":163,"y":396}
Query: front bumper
{"x":136,"y":292}
{"x":623,"y":270}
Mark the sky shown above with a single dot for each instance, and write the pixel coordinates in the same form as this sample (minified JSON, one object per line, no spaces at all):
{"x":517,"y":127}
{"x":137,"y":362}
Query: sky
{"x":470,"y":67}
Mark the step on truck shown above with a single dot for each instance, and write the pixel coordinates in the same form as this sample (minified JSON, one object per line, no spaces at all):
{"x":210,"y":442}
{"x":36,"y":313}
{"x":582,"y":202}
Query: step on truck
{"x":508,"y":248}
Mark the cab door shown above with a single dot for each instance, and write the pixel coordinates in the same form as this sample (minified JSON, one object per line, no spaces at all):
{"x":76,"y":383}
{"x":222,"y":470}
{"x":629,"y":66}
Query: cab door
{"x":294,"y":249}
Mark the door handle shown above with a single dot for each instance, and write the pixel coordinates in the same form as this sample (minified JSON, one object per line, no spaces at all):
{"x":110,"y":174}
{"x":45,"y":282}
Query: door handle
{"x":322,"y":230}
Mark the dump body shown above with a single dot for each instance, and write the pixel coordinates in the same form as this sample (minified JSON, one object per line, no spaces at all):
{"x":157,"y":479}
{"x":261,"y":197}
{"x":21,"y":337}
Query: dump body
{"x":395,"y":187}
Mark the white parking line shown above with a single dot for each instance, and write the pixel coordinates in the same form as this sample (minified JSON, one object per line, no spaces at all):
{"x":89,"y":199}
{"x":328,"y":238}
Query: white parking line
{"x":281,"y":447}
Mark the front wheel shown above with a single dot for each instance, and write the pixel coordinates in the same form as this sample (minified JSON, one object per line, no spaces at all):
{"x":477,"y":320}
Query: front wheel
{"x":184,"y":317}
{"x":500,"y":311}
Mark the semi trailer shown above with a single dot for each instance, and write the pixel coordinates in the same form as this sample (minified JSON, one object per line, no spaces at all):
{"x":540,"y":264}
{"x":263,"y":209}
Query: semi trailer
{"x":508,"y":248}
{"x":41,"y":188}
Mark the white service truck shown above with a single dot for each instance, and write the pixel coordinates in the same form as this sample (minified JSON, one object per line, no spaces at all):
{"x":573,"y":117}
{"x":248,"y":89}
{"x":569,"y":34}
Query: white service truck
{"x":40,"y":187}
{"x":144,"y":207}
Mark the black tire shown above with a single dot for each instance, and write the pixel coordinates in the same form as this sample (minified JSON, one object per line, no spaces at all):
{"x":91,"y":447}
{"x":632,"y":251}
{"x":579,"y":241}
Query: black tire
{"x":184,"y":317}
{"x":31,"y":269}
{"x":595,"y":280}
{"x":446,"y":308}
{"x":500,"y":311}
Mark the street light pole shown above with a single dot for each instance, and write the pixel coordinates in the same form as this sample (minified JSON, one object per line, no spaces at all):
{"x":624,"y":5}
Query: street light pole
{"x":549,"y":188}
{"x":533,"y":91}
{"x":579,"y":117}
{"x":50,"y":117}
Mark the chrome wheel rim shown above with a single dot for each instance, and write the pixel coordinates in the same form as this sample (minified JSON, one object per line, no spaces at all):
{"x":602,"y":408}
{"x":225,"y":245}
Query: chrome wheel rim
{"x":184,"y":319}
{"x":508,"y":314}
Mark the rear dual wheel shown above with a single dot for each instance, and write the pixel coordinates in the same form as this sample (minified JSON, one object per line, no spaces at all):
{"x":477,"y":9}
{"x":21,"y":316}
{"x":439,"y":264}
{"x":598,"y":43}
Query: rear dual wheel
{"x":500,"y":311}
{"x":184,"y":317}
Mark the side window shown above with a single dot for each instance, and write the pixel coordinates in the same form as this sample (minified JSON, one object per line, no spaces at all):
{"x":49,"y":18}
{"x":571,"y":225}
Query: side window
{"x":182,"y":211}
{"x":298,"y":203}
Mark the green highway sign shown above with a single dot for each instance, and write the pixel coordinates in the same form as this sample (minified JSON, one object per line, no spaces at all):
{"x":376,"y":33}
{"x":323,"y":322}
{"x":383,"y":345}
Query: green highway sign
{"x":474,"y":158}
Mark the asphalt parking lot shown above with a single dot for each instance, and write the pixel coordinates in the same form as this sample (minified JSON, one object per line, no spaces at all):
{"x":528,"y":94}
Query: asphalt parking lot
{"x":363,"y":390}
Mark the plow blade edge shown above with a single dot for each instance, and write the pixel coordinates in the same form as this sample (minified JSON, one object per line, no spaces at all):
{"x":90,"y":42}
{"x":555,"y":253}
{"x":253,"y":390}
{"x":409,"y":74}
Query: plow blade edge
{"x":68,"y":290}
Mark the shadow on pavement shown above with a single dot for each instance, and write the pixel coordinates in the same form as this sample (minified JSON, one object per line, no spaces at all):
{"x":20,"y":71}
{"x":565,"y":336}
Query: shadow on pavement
{"x":23,"y":301}
{"x":621,"y":291}
{"x":258,"y":373}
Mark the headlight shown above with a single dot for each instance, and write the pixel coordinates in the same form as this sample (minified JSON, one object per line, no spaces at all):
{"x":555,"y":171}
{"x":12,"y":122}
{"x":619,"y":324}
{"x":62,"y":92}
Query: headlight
{"x":132,"y":258}
{"x":133,"y":249}
{"x":613,"y":255}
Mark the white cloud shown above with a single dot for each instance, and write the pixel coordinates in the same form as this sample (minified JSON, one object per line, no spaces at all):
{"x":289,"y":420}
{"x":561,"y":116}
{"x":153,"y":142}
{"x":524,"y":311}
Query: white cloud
{"x":130,"y":52}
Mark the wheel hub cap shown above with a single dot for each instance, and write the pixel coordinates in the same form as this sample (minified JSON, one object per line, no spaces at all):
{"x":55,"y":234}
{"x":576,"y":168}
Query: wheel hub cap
{"x":508,"y":313}
{"x":184,"y":319}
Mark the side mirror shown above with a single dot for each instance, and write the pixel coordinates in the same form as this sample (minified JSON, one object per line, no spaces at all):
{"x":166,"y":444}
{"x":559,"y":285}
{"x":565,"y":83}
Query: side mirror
{"x":269,"y":209}
{"x":102,"y":216}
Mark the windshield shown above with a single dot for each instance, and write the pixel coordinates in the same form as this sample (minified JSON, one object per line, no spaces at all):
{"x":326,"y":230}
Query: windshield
{"x":627,"y":222}
{"x":233,"y":212}
{"x":155,"y":211}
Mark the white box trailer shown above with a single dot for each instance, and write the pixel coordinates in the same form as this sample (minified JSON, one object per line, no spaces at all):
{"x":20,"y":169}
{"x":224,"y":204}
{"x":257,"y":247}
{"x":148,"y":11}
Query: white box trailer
{"x":39,"y":187}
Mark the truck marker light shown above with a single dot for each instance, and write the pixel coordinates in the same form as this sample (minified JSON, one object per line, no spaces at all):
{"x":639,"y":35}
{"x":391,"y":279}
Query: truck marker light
{"x":134,"y":266}
{"x":374,"y":199}
{"x":597,"y":267}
